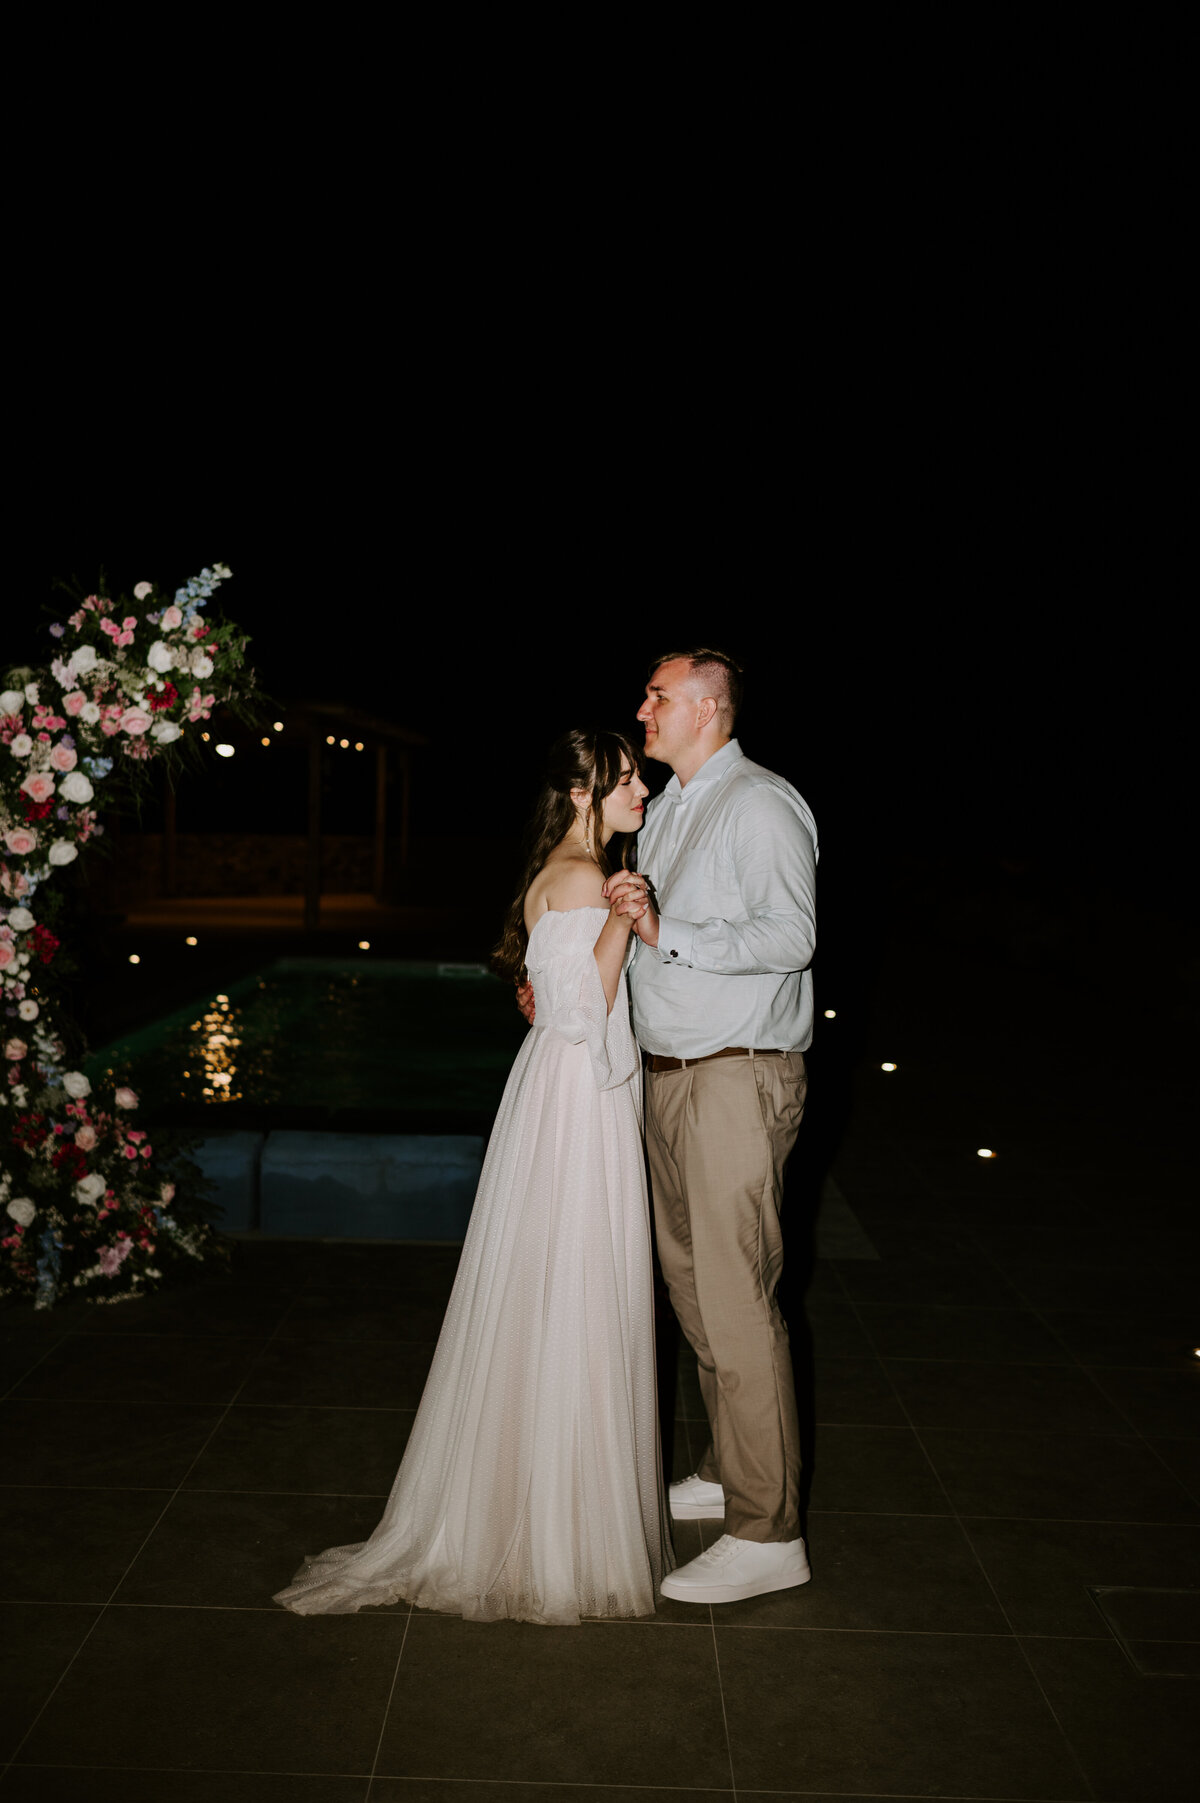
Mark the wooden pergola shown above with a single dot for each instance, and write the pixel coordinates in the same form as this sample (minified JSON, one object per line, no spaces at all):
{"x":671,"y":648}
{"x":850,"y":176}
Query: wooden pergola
{"x":320,"y":725}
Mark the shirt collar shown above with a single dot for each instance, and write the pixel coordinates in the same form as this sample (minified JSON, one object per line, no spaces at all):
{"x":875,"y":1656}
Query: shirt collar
{"x":711,"y":771}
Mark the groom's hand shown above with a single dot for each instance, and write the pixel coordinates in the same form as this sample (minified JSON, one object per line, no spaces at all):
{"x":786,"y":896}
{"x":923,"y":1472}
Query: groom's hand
{"x":525,"y":1001}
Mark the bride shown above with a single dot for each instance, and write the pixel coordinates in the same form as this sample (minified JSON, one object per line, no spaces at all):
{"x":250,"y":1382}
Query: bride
{"x":531,"y":1486}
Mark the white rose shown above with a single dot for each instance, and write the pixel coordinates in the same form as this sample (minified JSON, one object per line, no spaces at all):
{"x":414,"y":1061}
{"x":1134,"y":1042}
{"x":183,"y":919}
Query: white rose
{"x":63,"y":852}
{"x":82,"y":658}
{"x":166,"y":732}
{"x":12,"y":701}
{"x":17,"y":1092}
{"x":21,"y":1209}
{"x":142,"y":589}
{"x":20,"y":919}
{"x":76,"y":1085}
{"x":76,"y":787}
{"x":125,"y":1097}
{"x":90,"y":1188}
{"x":202,"y":666}
{"x":89,"y":713}
{"x":31,"y":693}
{"x":28,"y":1010}
{"x":22,"y":745}
{"x":160,"y":657}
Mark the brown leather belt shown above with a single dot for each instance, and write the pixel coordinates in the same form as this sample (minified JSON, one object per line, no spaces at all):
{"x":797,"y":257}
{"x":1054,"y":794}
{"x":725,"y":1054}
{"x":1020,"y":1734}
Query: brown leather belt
{"x":658,"y":1061}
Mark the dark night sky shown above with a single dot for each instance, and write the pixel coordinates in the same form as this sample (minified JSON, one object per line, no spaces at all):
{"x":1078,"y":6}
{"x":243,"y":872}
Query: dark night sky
{"x":925,"y":484}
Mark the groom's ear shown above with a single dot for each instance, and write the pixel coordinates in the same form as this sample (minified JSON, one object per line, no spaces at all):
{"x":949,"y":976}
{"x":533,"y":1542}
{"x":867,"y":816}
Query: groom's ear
{"x":706,"y":711}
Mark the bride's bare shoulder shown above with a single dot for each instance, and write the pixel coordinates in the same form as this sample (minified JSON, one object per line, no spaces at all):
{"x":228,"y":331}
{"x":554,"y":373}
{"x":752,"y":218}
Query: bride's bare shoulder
{"x":567,"y":880}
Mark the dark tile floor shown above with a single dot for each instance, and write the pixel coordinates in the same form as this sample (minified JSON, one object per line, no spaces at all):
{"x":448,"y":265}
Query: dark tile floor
{"x":1004,"y":1516}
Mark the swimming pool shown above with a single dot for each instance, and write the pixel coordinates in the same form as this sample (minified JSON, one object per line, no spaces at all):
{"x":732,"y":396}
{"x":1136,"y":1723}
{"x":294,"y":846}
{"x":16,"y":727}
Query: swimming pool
{"x":312,"y":1039}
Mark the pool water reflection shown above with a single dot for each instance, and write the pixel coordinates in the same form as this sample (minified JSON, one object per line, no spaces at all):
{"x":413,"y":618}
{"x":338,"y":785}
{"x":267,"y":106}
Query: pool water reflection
{"x":315,"y":1032}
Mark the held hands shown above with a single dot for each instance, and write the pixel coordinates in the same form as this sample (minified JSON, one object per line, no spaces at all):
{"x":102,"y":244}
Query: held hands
{"x":525,"y":1001}
{"x":629,"y":895}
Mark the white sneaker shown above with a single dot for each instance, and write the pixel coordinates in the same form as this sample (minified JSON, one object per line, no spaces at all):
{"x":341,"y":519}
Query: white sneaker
{"x":732,"y":1569}
{"x":692,"y":1499}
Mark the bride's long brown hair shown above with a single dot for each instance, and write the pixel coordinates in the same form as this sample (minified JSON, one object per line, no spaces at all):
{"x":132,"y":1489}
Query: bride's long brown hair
{"x":581,"y":759}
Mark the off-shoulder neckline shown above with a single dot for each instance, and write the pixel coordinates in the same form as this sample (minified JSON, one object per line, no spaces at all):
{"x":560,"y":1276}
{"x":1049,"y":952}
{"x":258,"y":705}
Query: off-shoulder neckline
{"x":562,"y":913}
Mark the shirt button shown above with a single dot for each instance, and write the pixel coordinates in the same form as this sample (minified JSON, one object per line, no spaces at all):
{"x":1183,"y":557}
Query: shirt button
{"x":674,"y":954}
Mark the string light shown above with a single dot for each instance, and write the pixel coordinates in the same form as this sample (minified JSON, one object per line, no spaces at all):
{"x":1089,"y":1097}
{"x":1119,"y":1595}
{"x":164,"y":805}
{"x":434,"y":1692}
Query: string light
{"x":330,"y":740}
{"x":266,"y":741}
{"x":359,"y":746}
{"x":190,"y":940}
{"x":133,"y":958}
{"x":224,"y":751}
{"x":345,"y":744}
{"x":887,"y":1067}
{"x":364,"y":945}
{"x":985,"y":1152}
{"x":831,"y":1014}
{"x":277,"y":725}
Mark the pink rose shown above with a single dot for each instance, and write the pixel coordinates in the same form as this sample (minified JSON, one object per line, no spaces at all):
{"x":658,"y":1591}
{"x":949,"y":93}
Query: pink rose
{"x":20,"y":841}
{"x":38,"y":786}
{"x":135,"y":720}
{"x":126,"y":1098}
{"x":63,"y":758}
{"x":15,"y":1049}
{"x":171,"y":619}
{"x":75,"y":702}
{"x":85,"y":1137}
{"x":8,"y":952}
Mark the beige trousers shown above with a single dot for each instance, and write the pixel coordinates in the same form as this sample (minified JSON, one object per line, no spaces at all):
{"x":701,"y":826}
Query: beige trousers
{"x":718,"y":1134}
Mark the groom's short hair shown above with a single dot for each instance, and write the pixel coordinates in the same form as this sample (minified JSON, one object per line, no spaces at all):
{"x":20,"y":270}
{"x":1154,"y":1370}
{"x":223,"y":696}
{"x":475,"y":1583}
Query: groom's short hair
{"x":717,"y":668}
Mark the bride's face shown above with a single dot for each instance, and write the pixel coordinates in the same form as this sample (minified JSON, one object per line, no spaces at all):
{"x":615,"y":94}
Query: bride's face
{"x":622,"y":810}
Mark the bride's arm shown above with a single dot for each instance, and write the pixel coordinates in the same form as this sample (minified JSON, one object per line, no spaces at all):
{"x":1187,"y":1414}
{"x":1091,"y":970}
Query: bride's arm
{"x":583,"y":888}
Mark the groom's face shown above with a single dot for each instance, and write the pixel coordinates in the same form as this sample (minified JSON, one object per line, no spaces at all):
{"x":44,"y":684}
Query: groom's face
{"x":669,"y":710}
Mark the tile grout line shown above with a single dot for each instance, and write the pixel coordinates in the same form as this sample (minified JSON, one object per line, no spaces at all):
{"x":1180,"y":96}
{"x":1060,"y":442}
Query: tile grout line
{"x":144,"y":1543}
{"x":724,"y":1711}
{"x":387,"y":1707}
{"x":1053,"y":1713}
{"x":1089,"y":1372}
{"x":7,"y":1395}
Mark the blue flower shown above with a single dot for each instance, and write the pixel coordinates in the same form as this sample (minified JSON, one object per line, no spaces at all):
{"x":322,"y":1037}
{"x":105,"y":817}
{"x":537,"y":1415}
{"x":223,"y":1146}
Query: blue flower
{"x":97,"y":767}
{"x":48,"y":1267}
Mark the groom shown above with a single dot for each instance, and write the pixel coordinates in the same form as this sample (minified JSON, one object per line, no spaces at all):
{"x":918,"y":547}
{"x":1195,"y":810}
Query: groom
{"x":722,"y":1004}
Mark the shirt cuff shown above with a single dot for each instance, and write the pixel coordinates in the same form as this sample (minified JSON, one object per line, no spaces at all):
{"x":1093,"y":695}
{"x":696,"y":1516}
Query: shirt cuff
{"x":674,"y":940}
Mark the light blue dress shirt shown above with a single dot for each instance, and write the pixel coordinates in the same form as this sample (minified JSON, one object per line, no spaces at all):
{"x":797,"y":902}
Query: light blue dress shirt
{"x":732,"y":855}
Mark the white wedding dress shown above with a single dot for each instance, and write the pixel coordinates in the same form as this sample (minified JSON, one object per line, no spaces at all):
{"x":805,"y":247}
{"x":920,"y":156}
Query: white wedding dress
{"x":531,"y":1486}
